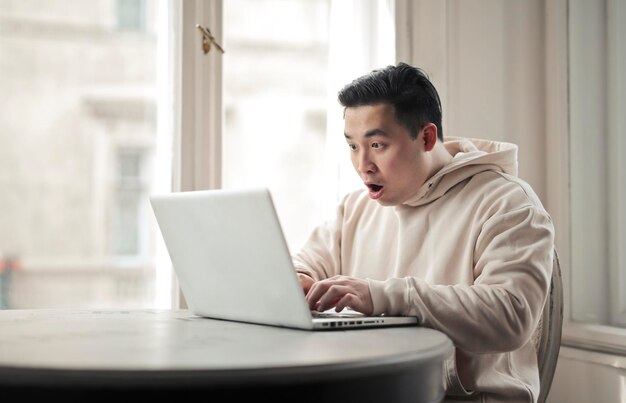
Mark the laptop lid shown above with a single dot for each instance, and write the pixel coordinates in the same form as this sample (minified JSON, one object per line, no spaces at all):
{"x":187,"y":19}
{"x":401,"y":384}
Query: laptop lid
{"x":232,"y":261}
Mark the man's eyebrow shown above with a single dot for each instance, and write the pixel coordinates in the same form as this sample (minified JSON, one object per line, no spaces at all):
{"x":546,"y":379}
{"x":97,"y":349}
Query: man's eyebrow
{"x":370,"y":133}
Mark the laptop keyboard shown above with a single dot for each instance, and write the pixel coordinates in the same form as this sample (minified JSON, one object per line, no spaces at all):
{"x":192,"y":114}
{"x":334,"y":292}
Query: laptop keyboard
{"x":333,"y":314}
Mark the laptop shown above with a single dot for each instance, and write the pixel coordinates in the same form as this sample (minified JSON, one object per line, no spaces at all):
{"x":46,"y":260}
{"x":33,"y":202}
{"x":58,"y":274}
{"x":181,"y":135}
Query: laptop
{"x":232,"y":261}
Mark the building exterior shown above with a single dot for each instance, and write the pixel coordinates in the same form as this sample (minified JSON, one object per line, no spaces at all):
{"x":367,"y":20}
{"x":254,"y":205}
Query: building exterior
{"x":78,"y":83}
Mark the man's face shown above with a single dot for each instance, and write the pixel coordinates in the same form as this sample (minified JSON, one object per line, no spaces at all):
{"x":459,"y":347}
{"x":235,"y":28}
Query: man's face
{"x":390,"y":163}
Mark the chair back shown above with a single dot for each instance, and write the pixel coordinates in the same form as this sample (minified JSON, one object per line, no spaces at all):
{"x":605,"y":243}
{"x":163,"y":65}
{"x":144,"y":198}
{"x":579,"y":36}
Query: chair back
{"x":548,"y":334}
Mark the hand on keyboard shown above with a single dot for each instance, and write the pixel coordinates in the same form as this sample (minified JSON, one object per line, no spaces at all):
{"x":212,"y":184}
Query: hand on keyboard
{"x":331,"y":313}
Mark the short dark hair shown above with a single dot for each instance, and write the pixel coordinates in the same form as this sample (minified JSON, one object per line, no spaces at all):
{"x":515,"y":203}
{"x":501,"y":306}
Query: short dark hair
{"x":406,"y":88}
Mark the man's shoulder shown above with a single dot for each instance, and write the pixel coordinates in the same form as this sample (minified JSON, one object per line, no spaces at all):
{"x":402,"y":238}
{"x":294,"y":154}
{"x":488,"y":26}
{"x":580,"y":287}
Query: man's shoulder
{"x":503,"y":187}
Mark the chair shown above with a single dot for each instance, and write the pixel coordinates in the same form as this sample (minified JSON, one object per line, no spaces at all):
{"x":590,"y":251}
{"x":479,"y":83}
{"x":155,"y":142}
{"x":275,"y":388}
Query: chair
{"x":548,"y":333}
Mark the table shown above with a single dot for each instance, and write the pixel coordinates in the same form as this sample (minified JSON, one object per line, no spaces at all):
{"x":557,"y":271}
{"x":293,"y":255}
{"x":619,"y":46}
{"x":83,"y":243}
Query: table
{"x":140,"y":355}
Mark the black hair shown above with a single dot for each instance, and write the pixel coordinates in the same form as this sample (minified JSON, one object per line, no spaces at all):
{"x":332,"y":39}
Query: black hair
{"x":406,"y":88}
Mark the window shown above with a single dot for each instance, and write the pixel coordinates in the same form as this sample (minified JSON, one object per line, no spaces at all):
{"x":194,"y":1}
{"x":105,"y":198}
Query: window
{"x":283,"y":124}
{"x":92,"y":125}
{"x":80,"y":146}
{"x":129,"y":239}
{"x":131,"y":15}
{"x":597,"y":60}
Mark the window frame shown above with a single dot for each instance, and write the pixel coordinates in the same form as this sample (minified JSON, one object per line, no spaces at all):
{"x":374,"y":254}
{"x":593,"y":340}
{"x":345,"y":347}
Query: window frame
{"x":197,"y":103}
{"x":600,"y":338}
{"x":198,"y":99}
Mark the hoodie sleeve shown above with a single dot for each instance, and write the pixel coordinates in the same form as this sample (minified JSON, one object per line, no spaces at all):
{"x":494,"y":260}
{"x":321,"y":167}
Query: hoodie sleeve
{"x":320,"y":257}
{"x":499,"y":312}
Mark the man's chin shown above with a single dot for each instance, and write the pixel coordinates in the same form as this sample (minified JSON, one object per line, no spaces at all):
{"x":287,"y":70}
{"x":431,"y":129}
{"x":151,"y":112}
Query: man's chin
{"x":386,"y":202}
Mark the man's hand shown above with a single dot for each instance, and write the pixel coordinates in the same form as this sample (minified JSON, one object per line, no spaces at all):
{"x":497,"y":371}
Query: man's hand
{"x":340,"y":292}
{"x":305,"y":281}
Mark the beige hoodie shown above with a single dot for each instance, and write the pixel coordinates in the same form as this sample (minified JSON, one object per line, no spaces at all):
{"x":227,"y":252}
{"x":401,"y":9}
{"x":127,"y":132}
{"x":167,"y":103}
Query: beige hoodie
{"x":469,"y":255}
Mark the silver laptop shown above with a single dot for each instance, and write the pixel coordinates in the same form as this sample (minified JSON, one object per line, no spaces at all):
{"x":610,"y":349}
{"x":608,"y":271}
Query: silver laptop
{"x":232,"y":262}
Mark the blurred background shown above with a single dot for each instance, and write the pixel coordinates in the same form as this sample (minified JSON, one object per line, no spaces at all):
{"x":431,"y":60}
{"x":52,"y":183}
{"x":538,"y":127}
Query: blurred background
{"x":85,"y":138}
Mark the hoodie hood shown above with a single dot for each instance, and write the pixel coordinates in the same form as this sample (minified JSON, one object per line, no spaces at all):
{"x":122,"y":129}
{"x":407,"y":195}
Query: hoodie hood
{"x":470,"y":157}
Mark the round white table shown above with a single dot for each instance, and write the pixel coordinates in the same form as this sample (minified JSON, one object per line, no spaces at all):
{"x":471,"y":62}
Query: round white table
{"x":140,"y":355}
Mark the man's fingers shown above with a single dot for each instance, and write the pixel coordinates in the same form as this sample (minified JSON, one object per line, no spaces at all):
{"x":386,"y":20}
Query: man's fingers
{"x":340,"y":292}
{"x":332,"y":295}
{"x":318,"y":290}
{"x":349,"y":300}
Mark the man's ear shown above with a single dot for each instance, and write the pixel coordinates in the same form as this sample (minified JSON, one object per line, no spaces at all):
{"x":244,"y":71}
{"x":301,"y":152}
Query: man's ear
{"x":429,"y":136}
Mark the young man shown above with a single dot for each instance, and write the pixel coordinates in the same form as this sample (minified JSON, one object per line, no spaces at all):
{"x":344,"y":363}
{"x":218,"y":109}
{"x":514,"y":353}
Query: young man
{"x":443,"y":230}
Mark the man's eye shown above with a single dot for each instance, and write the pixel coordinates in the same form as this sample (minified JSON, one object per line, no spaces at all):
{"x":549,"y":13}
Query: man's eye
{"x":377,"y":145}
{"x":352,"y":146}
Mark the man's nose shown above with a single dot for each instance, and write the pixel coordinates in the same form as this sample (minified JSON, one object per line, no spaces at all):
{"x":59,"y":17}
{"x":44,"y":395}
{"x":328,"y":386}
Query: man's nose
{"x":365,"y":164}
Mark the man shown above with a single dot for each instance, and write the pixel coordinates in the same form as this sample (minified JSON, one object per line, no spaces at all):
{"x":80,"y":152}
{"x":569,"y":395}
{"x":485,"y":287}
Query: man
{"x":443,"y":231}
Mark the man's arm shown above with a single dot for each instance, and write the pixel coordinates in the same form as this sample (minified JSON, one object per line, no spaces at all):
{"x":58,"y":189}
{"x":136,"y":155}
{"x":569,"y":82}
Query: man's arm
{"x":320,"y":257}
{"x":499,"y":312}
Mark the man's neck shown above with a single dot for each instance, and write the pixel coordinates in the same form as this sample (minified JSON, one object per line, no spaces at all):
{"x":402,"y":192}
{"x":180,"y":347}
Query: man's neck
{"x":440,"y":157}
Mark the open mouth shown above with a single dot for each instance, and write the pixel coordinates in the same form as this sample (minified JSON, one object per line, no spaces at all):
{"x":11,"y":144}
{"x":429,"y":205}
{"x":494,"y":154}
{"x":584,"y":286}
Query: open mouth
{"x":375,"y":190}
